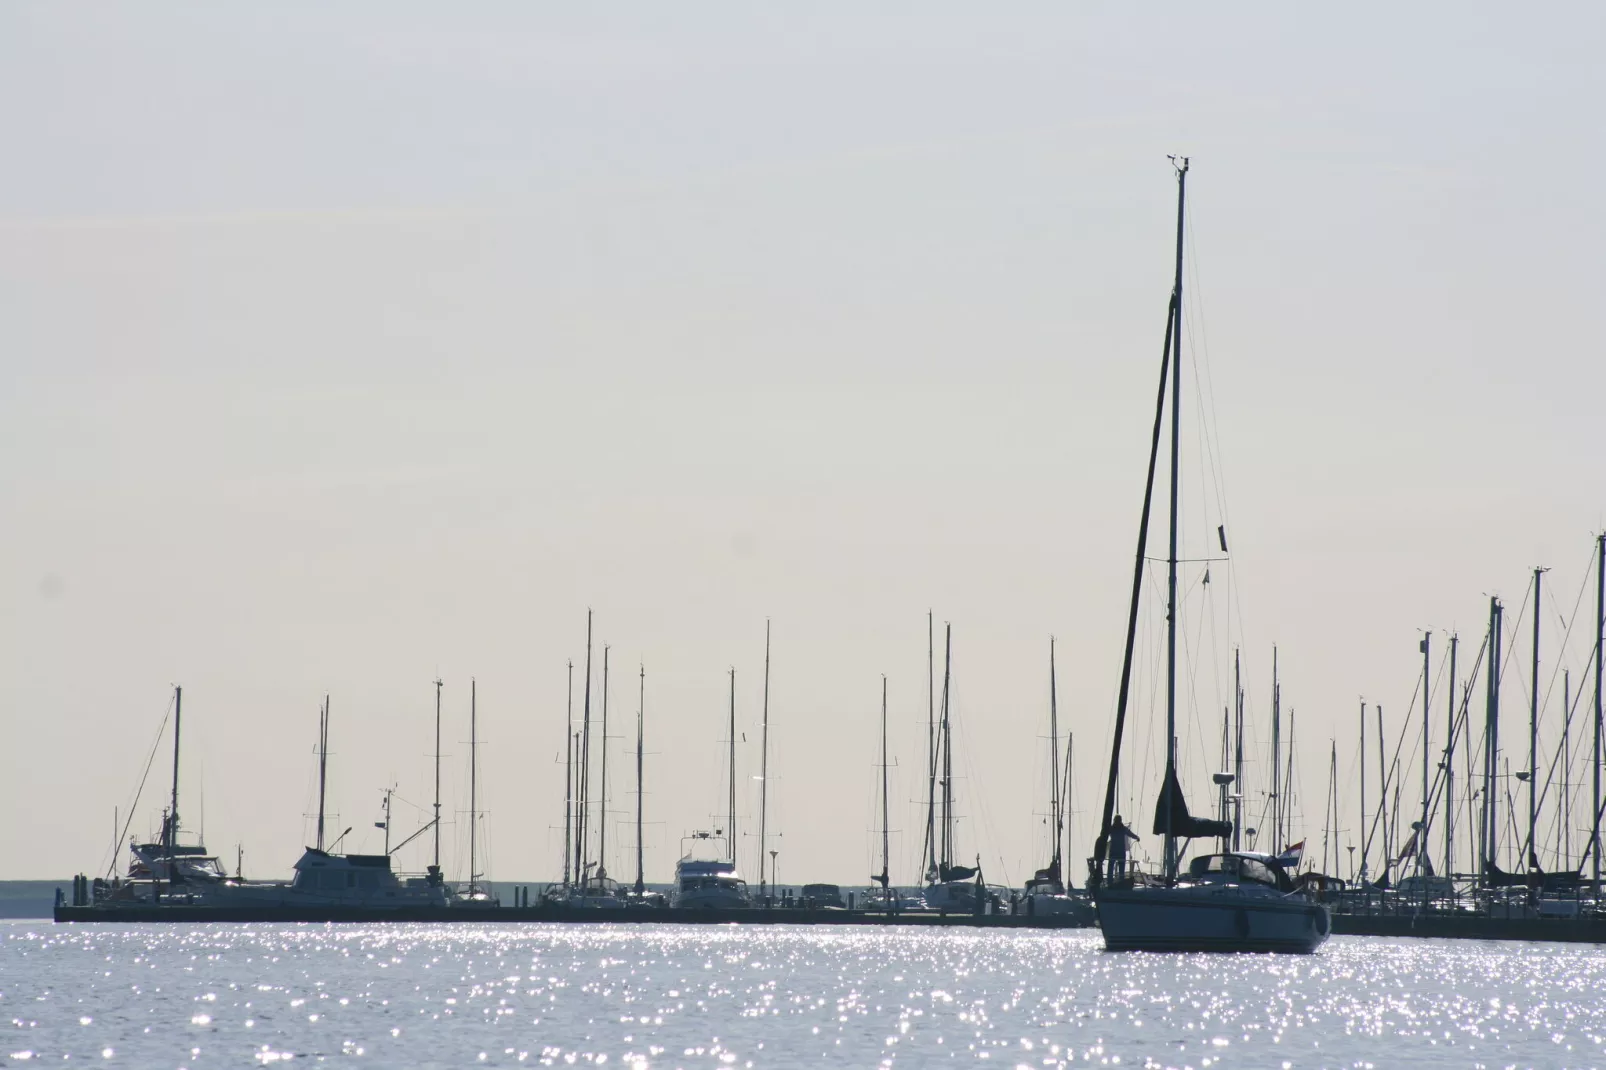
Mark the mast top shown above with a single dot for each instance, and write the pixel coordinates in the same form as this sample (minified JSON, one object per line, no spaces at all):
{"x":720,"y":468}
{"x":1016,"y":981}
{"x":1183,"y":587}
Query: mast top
{"x":1180,"y":163}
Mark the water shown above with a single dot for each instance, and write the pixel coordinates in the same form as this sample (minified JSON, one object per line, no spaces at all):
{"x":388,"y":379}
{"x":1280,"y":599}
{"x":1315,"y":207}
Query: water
{"x":727,"y":996}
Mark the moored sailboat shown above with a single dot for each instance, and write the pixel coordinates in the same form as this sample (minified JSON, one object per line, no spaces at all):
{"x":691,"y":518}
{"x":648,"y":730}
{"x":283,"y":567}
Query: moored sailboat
{"x":949,"y":885}
{"x":1047,"y":893}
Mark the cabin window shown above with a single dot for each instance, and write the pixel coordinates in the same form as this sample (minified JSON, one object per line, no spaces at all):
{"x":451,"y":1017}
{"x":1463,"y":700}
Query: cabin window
{"x":1225,"y":864}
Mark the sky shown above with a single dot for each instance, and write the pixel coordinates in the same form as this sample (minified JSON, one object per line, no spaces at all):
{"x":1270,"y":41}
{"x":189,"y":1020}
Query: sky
{"x":347,"y":349}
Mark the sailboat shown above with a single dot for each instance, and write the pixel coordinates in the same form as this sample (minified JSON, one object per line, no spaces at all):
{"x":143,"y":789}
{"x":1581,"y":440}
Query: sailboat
{"x":1231,"y":901}
{"x":949,"y":886}
{"x":638,"y":895}
{"x":475,"y":895}
{"x":591,"y":888}
{"x":162,"y":859}
{"x":1045,"y":893}
{"x":885,"y":899}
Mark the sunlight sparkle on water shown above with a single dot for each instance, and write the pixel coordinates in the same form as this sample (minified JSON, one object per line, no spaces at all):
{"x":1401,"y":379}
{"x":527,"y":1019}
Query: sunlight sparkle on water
{"x":729,"y":996}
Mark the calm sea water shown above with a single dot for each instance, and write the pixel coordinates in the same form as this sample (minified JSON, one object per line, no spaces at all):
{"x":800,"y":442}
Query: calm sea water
{"x":706,"y":996}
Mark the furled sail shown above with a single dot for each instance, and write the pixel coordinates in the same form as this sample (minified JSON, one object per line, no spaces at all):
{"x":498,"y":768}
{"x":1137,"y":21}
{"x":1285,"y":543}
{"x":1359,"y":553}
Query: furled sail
{"x":955,"y":873}
{"x":1183,"y":824}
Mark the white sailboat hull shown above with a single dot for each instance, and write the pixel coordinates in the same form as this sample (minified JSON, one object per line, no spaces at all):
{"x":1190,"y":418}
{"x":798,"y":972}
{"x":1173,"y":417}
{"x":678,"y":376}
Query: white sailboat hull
{"x":959,"y":897}
{"x":1058,"y":905}
{"x":1210,"y":917}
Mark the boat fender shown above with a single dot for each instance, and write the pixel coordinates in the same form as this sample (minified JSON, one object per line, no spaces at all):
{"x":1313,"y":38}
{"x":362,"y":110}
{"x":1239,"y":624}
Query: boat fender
{"x":1242,"y":919}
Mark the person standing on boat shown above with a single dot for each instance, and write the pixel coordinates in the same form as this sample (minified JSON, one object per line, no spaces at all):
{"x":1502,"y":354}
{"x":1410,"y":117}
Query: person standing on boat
{"x":1119,"y":835}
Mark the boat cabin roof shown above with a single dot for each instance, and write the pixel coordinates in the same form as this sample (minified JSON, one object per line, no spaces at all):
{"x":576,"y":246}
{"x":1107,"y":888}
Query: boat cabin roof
{"x":1245,"y":865}
{"x":691,"y":867}
{"x":178,"y":850}
{"x":316,"y":858}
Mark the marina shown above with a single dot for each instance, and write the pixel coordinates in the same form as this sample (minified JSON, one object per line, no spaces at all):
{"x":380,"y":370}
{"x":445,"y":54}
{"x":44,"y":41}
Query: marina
{"x":596,"y":537}
{"x":1227,"y":896}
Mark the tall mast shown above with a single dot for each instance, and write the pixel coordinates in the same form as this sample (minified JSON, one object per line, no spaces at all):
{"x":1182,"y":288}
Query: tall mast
{"x":1288,"y":780}
{"x":583,"y":841}
{"x":730,"y":826}
{"x":1564,"y":826}
{"x":602,"y":811}
{"x":1491,"y":750}
{"x":1054,"y":757}
{"x":1383,"y":794}
{"x":1365,"y":832}
{"x":1449,"y":765}
{"x":323,"y":763}
{"x":170,"y":826}
{"x":1533,"y":731}
{"x":473,"y":786}
{"x":1329,"y":826}
{"x":1171,"y":553}
{"x":435,"y":869}
{"x":947,"y":742}
{"x":641,"y":708}
{"x":1065,"y":806}
{"x":931,"y":743}
{"x":1333,"y":779}
{"x":1276,"y":757}
{"x":764,"y":773}
{"x":1222,"y":770}
{"x":1238,"y":753}
{"x":1600,"y":640}
{"x":1422,"y":829}
{"x":568,"y":780}
{"x":886,"y":837}
{"x":172,"y":808}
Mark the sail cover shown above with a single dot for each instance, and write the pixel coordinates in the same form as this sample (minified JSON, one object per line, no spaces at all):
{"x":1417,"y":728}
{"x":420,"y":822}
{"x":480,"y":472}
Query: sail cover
{"x":1183,"y":824}
{"x":955,"y":873}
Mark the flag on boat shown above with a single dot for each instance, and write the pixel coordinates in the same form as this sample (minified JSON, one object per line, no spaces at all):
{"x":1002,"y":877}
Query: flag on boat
{"x":1291,"y":855}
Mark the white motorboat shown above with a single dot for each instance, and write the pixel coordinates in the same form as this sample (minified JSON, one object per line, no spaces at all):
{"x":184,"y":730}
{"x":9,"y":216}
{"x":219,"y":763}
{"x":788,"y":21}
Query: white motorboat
{"x":706,"y":877}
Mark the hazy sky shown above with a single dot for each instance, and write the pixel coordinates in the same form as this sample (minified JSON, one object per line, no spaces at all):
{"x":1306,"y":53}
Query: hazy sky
{"x":348,"y":347}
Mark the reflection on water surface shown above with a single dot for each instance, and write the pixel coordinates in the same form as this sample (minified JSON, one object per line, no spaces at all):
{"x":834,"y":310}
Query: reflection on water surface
{"x":698,"y":996}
